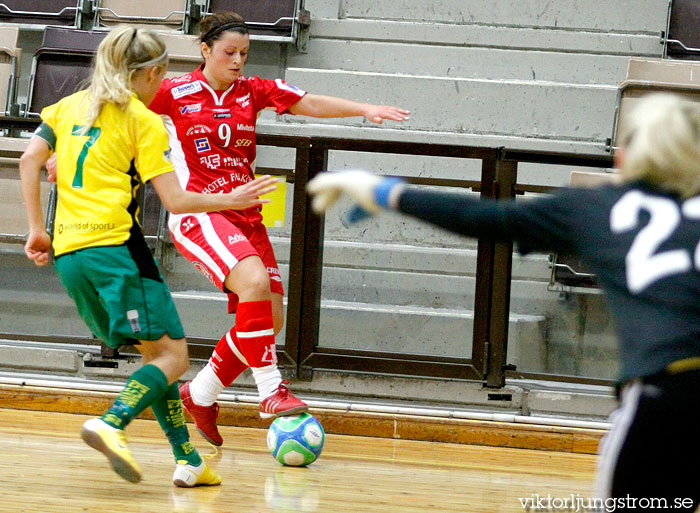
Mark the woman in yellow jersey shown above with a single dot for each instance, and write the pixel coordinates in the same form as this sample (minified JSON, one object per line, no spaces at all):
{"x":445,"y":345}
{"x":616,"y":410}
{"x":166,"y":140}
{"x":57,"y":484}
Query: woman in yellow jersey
{"x":105,"y":139}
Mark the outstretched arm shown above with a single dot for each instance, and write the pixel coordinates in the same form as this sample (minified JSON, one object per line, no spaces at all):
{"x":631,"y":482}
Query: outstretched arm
{"x":319,"y":106}
{"x":542,"y":224}
{"x":38,"y":242}
{"x":179,"y":201}
{"x":458,"y":213}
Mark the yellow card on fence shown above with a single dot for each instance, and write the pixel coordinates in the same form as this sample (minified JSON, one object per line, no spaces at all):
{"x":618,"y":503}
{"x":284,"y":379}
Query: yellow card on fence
{"x":273,"y":212}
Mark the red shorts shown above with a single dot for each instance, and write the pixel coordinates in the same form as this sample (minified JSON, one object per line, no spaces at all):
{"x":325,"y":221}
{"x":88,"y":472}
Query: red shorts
{"x":215,"y":245}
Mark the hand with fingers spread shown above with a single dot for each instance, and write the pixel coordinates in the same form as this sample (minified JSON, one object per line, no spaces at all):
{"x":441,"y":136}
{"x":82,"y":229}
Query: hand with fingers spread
{"x":248,"y":195}
{"x":369,"y":191}
{"x":378,"y":113}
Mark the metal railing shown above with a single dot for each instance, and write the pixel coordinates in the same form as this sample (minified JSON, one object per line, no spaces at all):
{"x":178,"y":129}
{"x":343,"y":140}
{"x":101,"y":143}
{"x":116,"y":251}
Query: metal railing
{"x":302,"y":353}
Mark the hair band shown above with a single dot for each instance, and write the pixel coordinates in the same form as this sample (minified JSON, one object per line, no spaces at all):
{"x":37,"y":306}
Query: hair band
{"x":152,"y":62}
{"x":226,"y":26}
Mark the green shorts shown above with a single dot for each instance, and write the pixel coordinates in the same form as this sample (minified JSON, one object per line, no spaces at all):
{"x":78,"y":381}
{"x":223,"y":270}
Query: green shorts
{"x":122,"y":299}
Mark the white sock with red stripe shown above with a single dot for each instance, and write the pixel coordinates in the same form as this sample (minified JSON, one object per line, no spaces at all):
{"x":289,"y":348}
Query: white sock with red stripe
{"x":256,"y":342}
{"x":223,"y":368}
{"x":205,"y":387}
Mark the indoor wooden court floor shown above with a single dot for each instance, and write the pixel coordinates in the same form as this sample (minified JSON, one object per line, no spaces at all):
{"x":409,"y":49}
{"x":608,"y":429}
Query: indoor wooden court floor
{"x":46,"y":468}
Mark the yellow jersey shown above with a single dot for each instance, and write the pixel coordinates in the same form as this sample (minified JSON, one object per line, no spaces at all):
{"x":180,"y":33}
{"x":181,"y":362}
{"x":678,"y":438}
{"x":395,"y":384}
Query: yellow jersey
{"x":97,"y":172}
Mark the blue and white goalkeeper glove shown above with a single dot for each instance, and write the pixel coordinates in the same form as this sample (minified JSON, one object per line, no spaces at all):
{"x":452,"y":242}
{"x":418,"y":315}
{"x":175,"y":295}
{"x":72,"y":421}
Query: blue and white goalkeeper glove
{"x":369,"y":191}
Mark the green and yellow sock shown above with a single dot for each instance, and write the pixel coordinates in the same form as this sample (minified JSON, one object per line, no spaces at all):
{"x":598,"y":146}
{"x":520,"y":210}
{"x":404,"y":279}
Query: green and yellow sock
{"x":144,"y":387}
{"x":168,"y":411}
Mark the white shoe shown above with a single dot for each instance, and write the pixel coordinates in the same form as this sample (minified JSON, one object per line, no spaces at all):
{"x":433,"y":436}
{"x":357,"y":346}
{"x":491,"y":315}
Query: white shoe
{"x":187,"y":476}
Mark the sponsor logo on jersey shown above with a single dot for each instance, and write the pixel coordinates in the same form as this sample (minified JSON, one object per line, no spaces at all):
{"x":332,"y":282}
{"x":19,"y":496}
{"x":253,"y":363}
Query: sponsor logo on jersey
{"x":186,"y":89}
{"x":245,"y":128}
{"x":244,"y":100}
{"x":243,"y":143}
{"x":203,"y":269}
{"x":190,"y":109}
{"x":188,"y":223}
{"x":220,"y":183}
{"x":202,"y":145}
{"x":286,"y":87}
{"x":85,"y":227}
{"x":235,"y":161}
{"x":183,"y":78}
{"x":211,"y":161}
{"x":166,"y":154}
{"x":198,"y":129}
{"x":232,"y":239}
{"x":274,"y":273}
{"x":221,"y":115}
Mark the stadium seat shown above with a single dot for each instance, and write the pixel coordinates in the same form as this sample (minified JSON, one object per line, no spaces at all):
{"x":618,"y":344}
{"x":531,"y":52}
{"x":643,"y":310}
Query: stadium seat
{"x":569,"y":274}
{"x":682,"y":38}
{"x":273,"y":19}
{"x":10,"y":57}
{"x":39,"y":12}
{"x":159,"y":15}
{"x":184,"y":54}
{"x":61,"y":66}
{"x":13,"y":220}
{"x":654,"y":75}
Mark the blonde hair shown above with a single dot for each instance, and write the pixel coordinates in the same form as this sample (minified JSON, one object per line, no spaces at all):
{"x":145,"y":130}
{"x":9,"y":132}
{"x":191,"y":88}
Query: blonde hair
{"x":661,"y":139}
{"x":120,"y":55}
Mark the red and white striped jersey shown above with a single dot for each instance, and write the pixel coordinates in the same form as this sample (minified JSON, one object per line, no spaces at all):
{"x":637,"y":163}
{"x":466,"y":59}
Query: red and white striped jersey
{"x":212,"y":133}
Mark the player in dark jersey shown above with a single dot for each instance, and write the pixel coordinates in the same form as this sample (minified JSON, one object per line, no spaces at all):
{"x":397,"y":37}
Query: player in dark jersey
{"x":210,"y":115}
{"x":642,"y":238}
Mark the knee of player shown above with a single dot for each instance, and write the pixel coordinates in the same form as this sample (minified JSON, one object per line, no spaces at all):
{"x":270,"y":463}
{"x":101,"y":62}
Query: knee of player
{"x":180,"y":365}
{"x":180,"y":357}
{"x":257,"y":284}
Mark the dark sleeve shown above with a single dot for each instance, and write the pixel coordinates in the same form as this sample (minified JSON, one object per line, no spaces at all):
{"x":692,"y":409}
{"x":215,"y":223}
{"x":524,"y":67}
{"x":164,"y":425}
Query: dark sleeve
{"x":541,"y":224}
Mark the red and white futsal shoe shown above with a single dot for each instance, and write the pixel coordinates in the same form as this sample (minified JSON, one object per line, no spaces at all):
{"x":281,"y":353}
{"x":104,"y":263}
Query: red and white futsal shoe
{"x":281,"y":403}
{"x":204,"y":416}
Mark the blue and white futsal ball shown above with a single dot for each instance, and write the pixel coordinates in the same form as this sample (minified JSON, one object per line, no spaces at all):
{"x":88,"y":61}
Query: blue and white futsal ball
{"x":296,"y":440}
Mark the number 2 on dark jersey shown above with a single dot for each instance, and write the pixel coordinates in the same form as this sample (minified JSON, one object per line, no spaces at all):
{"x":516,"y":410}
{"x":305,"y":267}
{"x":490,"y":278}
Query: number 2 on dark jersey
{"x":645,"y":264}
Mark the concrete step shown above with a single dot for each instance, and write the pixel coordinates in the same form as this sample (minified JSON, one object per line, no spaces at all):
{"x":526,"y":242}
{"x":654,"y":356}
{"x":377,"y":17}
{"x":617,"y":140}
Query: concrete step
{"x":40,"y":313}
{"x":341,"y":255}
{"x":570,"y":335}
{"x":463,"y":62}
{"x":325,"y":26}
{"x":344,"y":324}
{"x":597,"y":15}
{"x":400,"y":275}
{"x":375,"y":327}
{"x":527,"y":109}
